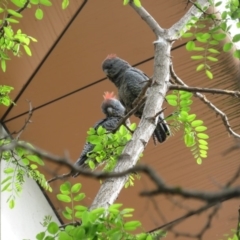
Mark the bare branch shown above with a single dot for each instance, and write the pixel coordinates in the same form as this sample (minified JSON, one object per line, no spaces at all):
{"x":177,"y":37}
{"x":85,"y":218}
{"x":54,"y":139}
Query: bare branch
{"x":205,"y":90}
{"x":150,"y":21}
{"x":206,"y":226}
{"x":174,"y":31}
{"x":208,"y":103}
{"x":27,"y":121}
{"x":60,"y":177}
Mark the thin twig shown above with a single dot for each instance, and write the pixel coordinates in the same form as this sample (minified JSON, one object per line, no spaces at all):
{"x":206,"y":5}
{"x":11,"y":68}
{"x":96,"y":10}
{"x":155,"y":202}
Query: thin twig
{"x":129,"y":114}
{"x":205,"y":90}
{"x":208,"y":103}
{"x":27,"y":121}
{"x":60,"y":177}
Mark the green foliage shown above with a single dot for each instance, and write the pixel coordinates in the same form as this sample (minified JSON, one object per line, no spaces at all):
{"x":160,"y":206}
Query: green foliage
{"x":210,"y":38}
{"x":194,"y":130}
{"x":233,"y":236}
{"x":98,"y":224}
{"x":16,"y":42}
{"x":108,"y":148}
{"x":137,"y":3}
{"x":4,"y":98}
{"x":20,"y":164}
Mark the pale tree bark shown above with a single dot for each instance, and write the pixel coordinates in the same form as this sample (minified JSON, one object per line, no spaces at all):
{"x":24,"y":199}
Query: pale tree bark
{"x":111,"y":188}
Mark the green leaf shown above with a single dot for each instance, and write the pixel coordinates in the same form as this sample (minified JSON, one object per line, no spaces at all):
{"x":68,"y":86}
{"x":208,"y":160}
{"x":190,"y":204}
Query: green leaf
{"x":68,"y":210}
{"x":189,"y":139}
{"x":212,"y":50}
{"x":64,"y":236}
{"x":45,"y":3}
{"x":8,"y":32}
{"x":25,"y":161}
{"x":212,"y":59}
{"x":209,"y":74}
{"x":11,"y":20}
{"x":98,"y":147}
{"x":8,"y":170}
{"x":40,"y":236}
{"x":65,"y":188}
{"x":236,"y":54}
{"x":202,"y":142}
{"x":76,"y":187}
{"x":227,"y":47}
{"x":197,"y":123}
{"x":3,"y":65}
{"x":18,"y":3}
{"x":6,"y":179}
{"x":187,"y":35}
{"x":137,"y":3}
{"x":67,"y":215}
{"x":190,"y":46}
{"x":80,"y":208}
{"x":131,"y":225}
{"x":200,"y":67}
{"x":200,"y":129}
{"x":34,"y":2}
{"x":14,"y":13}
{"x":39,"y":14}
{"x":91,"y":131}
{"x":91,"y":164}
{"x":219,"y":36}
{"x":36,"y":159}
{"x":172,"y":102}
{"x":171,"y":97}
{"x":199,"y":161}
{"x":52,"y":228}
{"x":11,"y":204}
{"x":63,"y":198}
{"x":125,"y":2}
{"x":191,"y":117}
{"x":236,"y":38}
{"x":116,"y":205}
{"x":5,"y":187}
{"x":79,"y":197}
{"x":204,"y":147}
{"x":214,"y":42}
{"x":65,"y":4}
{"x":101,"y":131}
{"x":203,"y":135}
{"x":33,"y":166}
{"x":27,"y":50}
{"x":198,"y":57}
{"x":94,"y":139}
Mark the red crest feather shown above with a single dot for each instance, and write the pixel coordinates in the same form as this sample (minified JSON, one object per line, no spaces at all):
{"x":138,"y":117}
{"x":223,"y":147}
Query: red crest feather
{"x":110,"y":56}
{"x":108,"y":95}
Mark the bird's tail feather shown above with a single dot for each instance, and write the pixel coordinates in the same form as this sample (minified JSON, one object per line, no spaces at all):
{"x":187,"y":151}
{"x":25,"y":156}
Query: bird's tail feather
{"x":162,"y":130}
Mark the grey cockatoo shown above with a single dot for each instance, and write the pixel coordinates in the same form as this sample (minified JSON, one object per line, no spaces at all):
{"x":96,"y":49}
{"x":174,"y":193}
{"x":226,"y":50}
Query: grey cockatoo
{"x":114,"y":111}
{"x":130,"y":81}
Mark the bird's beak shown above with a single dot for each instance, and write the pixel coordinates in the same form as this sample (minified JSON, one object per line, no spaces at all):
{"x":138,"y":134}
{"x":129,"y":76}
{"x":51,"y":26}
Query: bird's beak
{"x":106,"y":71}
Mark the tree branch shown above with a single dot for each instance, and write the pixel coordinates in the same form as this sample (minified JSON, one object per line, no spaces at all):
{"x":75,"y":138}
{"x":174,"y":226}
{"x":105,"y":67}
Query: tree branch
{"x":208,"y":103}
{"x":174,"y":31}
{"x":150,"y":21}
{"x":205,"y":90}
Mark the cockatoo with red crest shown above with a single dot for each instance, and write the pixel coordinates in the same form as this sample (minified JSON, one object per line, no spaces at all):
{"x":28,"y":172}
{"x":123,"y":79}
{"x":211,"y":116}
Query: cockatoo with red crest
{"x":130,"y":81}
{"x":114,"y":111}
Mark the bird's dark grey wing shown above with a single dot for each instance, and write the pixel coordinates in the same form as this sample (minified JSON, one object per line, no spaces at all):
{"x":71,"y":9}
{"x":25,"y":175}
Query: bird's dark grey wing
{"x":135,"y":80}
